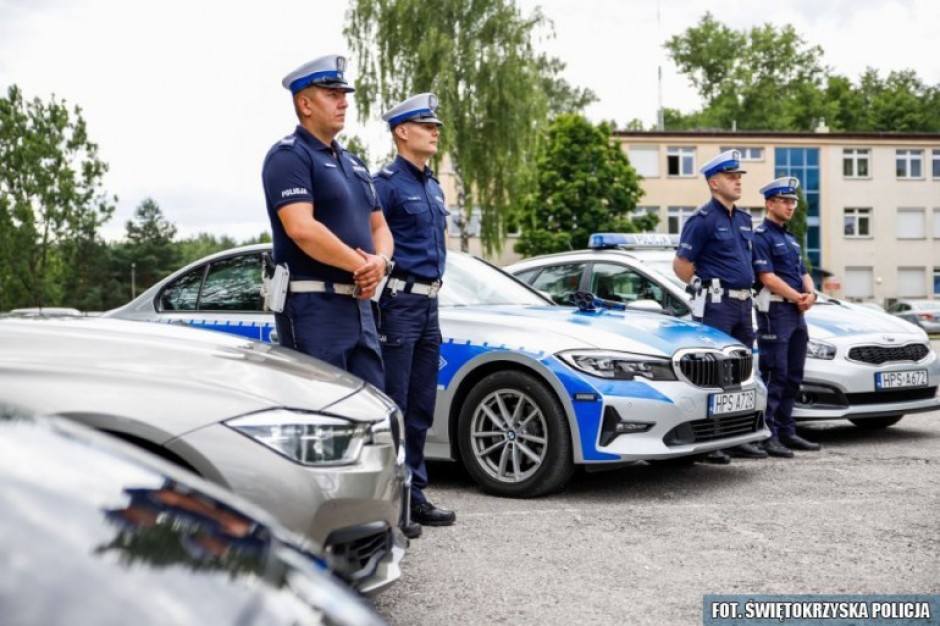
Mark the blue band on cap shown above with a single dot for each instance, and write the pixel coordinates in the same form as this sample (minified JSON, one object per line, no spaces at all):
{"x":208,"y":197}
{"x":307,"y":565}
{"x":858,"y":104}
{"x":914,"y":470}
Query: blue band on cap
{"x":310,"y":79}
{"x":721,"y":167}
{"x":404,"y":117}
{"x":776,"y":191}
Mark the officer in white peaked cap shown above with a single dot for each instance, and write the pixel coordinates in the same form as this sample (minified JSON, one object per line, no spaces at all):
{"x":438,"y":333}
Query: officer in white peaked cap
{"x":409,"y":329}
{"x":786,"y":293}
{"x":714,"y":258}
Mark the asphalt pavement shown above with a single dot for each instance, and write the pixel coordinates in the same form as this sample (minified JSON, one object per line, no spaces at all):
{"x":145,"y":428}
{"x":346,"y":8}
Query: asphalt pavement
{"x":644,"y":544}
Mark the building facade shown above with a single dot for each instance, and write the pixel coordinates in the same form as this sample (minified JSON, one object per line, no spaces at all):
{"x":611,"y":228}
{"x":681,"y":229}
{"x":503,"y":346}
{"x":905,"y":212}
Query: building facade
{"x":873,"y":199}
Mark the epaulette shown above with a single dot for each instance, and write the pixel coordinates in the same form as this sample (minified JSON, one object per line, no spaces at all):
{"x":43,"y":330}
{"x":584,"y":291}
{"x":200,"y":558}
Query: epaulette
{"x":700,"y":211}
{"x":386,"y":172}
{"x":287,"y":142}
{"x":760,"y":229}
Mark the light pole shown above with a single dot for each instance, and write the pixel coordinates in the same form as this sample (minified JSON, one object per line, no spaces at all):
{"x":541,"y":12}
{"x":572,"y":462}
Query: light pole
{"x":133,"y":280}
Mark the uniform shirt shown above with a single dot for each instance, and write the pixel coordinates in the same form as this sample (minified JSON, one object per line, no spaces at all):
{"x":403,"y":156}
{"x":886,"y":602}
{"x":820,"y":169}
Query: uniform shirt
{"x":301,"y":168}
{"x":719,"y":245}
{"x":414,"y":209}
{"x":777,"y":251}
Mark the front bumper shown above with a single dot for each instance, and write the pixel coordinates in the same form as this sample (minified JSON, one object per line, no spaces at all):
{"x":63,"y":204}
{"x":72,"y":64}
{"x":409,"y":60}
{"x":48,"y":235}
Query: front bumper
{"x":680,"y":427}
{"x":845,"y":389}
{"x":352,"y":511}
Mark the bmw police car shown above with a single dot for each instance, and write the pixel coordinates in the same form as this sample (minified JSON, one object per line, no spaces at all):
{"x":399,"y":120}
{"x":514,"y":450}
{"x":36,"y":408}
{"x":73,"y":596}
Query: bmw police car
{"x":526,"y":390}
{"x":861,"y":365}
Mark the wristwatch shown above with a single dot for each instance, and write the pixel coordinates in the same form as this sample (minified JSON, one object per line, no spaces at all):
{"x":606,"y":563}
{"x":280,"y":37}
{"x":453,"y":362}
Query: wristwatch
{"x":389,"y":264}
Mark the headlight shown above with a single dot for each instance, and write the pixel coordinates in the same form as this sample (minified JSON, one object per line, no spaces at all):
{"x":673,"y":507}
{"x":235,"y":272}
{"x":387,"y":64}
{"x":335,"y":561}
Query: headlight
{"x":307,"y":438}
{"x":820,"y":350}
{"x":619,"y":365}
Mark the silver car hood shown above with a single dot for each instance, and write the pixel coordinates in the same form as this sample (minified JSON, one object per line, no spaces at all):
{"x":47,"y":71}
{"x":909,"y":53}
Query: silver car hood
{"x":834,"y":321}
{"x":178,"y":377}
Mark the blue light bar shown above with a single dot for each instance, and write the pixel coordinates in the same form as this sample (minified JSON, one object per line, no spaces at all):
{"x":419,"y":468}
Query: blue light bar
{"x":632,"y":241}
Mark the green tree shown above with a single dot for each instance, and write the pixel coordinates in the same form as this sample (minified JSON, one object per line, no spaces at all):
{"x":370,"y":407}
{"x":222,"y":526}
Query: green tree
{"x":149,"y":249}
{"x":585,"y":184}
{"x":478,"y":57}
{"x":764,"y":78}
{"x":51,"y":202}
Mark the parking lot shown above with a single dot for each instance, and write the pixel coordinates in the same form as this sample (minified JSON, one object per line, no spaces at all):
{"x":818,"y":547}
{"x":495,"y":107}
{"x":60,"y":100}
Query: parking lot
{"x":643,"y":544}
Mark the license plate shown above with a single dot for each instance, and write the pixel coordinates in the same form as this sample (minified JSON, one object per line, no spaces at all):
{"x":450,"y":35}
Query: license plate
{"x":896,"y":380}
{"x":731,"y":402}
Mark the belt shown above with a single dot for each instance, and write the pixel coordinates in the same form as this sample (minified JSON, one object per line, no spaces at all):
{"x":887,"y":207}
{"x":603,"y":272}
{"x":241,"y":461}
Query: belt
{"x":319,"y":286}
{"x":396,"y":285}
{"x":740,"y":294}
{"x":775,"y":298}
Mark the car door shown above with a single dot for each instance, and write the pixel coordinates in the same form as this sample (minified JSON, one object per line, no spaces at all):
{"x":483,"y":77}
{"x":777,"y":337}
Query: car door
{"x":224,"y":295}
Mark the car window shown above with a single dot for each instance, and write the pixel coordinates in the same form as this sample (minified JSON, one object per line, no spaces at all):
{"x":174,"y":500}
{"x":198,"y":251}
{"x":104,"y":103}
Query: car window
{"x":560,"y":281}
{"x":527,"y":276}
{"x":233,"y":284}
{"x":183,"y":293}
{"x":621,"y":283}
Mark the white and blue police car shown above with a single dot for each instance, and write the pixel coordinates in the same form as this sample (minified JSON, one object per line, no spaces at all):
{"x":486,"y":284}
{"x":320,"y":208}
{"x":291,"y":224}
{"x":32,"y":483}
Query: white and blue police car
{"x":526,"y":390}
{"x":862,"y":365}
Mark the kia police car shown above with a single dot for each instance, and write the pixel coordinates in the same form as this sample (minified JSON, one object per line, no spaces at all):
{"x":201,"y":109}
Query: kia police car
{"x":861,"y":365}
{"x":526,"y":390}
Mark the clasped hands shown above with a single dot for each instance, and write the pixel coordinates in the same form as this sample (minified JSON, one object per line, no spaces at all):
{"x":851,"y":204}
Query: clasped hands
{"x":369,"y":275}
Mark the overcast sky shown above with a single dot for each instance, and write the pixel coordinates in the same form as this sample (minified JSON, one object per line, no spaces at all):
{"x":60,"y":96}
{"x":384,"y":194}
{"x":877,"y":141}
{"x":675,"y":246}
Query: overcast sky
{"x":184,"y":98}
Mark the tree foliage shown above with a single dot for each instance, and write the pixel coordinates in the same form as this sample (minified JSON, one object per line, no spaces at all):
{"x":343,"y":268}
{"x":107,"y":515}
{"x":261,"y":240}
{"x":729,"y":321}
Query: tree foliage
{"x":770,"y":78}
{"x":584,"y":184}
{"x":51,"y":201}
{"x":495,"y":90}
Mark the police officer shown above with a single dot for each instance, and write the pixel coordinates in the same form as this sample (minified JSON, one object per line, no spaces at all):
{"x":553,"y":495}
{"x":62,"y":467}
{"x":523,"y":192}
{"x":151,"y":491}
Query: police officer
{"x":714,"y":257}
{"x":787,"y":293}
{"x":328,"y":228}
{"x":409,"y":330}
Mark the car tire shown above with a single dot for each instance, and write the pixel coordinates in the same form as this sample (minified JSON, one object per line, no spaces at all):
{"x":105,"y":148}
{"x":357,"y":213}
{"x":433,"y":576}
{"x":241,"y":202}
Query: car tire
{"x":514,"y":437}
{"x":876,"y":423}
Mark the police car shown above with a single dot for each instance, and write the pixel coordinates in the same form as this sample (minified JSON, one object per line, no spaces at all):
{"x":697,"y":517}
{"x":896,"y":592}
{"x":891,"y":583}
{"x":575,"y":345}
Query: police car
{"x":861,"y":365}
{"x":526,"y":390}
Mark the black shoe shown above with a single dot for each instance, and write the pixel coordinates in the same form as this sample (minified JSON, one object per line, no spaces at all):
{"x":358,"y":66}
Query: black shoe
{"x":718,"y":457}
{"x":412,"y":530}
{"x":775,"y":448}
{"x":796,"y":442}
{"x":747,"y":451}
{"x":427,"y":514}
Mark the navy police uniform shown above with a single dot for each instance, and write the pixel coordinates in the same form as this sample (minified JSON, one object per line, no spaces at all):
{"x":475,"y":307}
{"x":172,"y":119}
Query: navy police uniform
{"x":409,"y":330}
{"x":781,"y":329}
{"x":719,"y":243}
{"x":326,"y":320}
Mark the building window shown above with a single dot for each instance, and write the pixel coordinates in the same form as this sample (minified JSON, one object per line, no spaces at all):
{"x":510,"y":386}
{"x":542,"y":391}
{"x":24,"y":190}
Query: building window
{"x":747,"y":153}
{"x":936,"y":281}
{"x":676,"y":217}
{"x":935,"y":164}
{"x":680,"y":161}
{"x":912,"y":282}
{"x":855,"y":162}
{"x":859,"y":283}
{"x":857,"y":222}
{"x":911,"y":224}
{"x":758,"y":213}
{"x":804,"y":164}
{"x":936,"y":223}
{"x":909,"y":163}
{"x":644,"y":160}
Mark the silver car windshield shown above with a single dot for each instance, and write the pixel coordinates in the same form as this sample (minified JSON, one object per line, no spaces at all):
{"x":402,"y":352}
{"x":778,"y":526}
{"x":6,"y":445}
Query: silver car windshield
{"x":471,"y":282}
